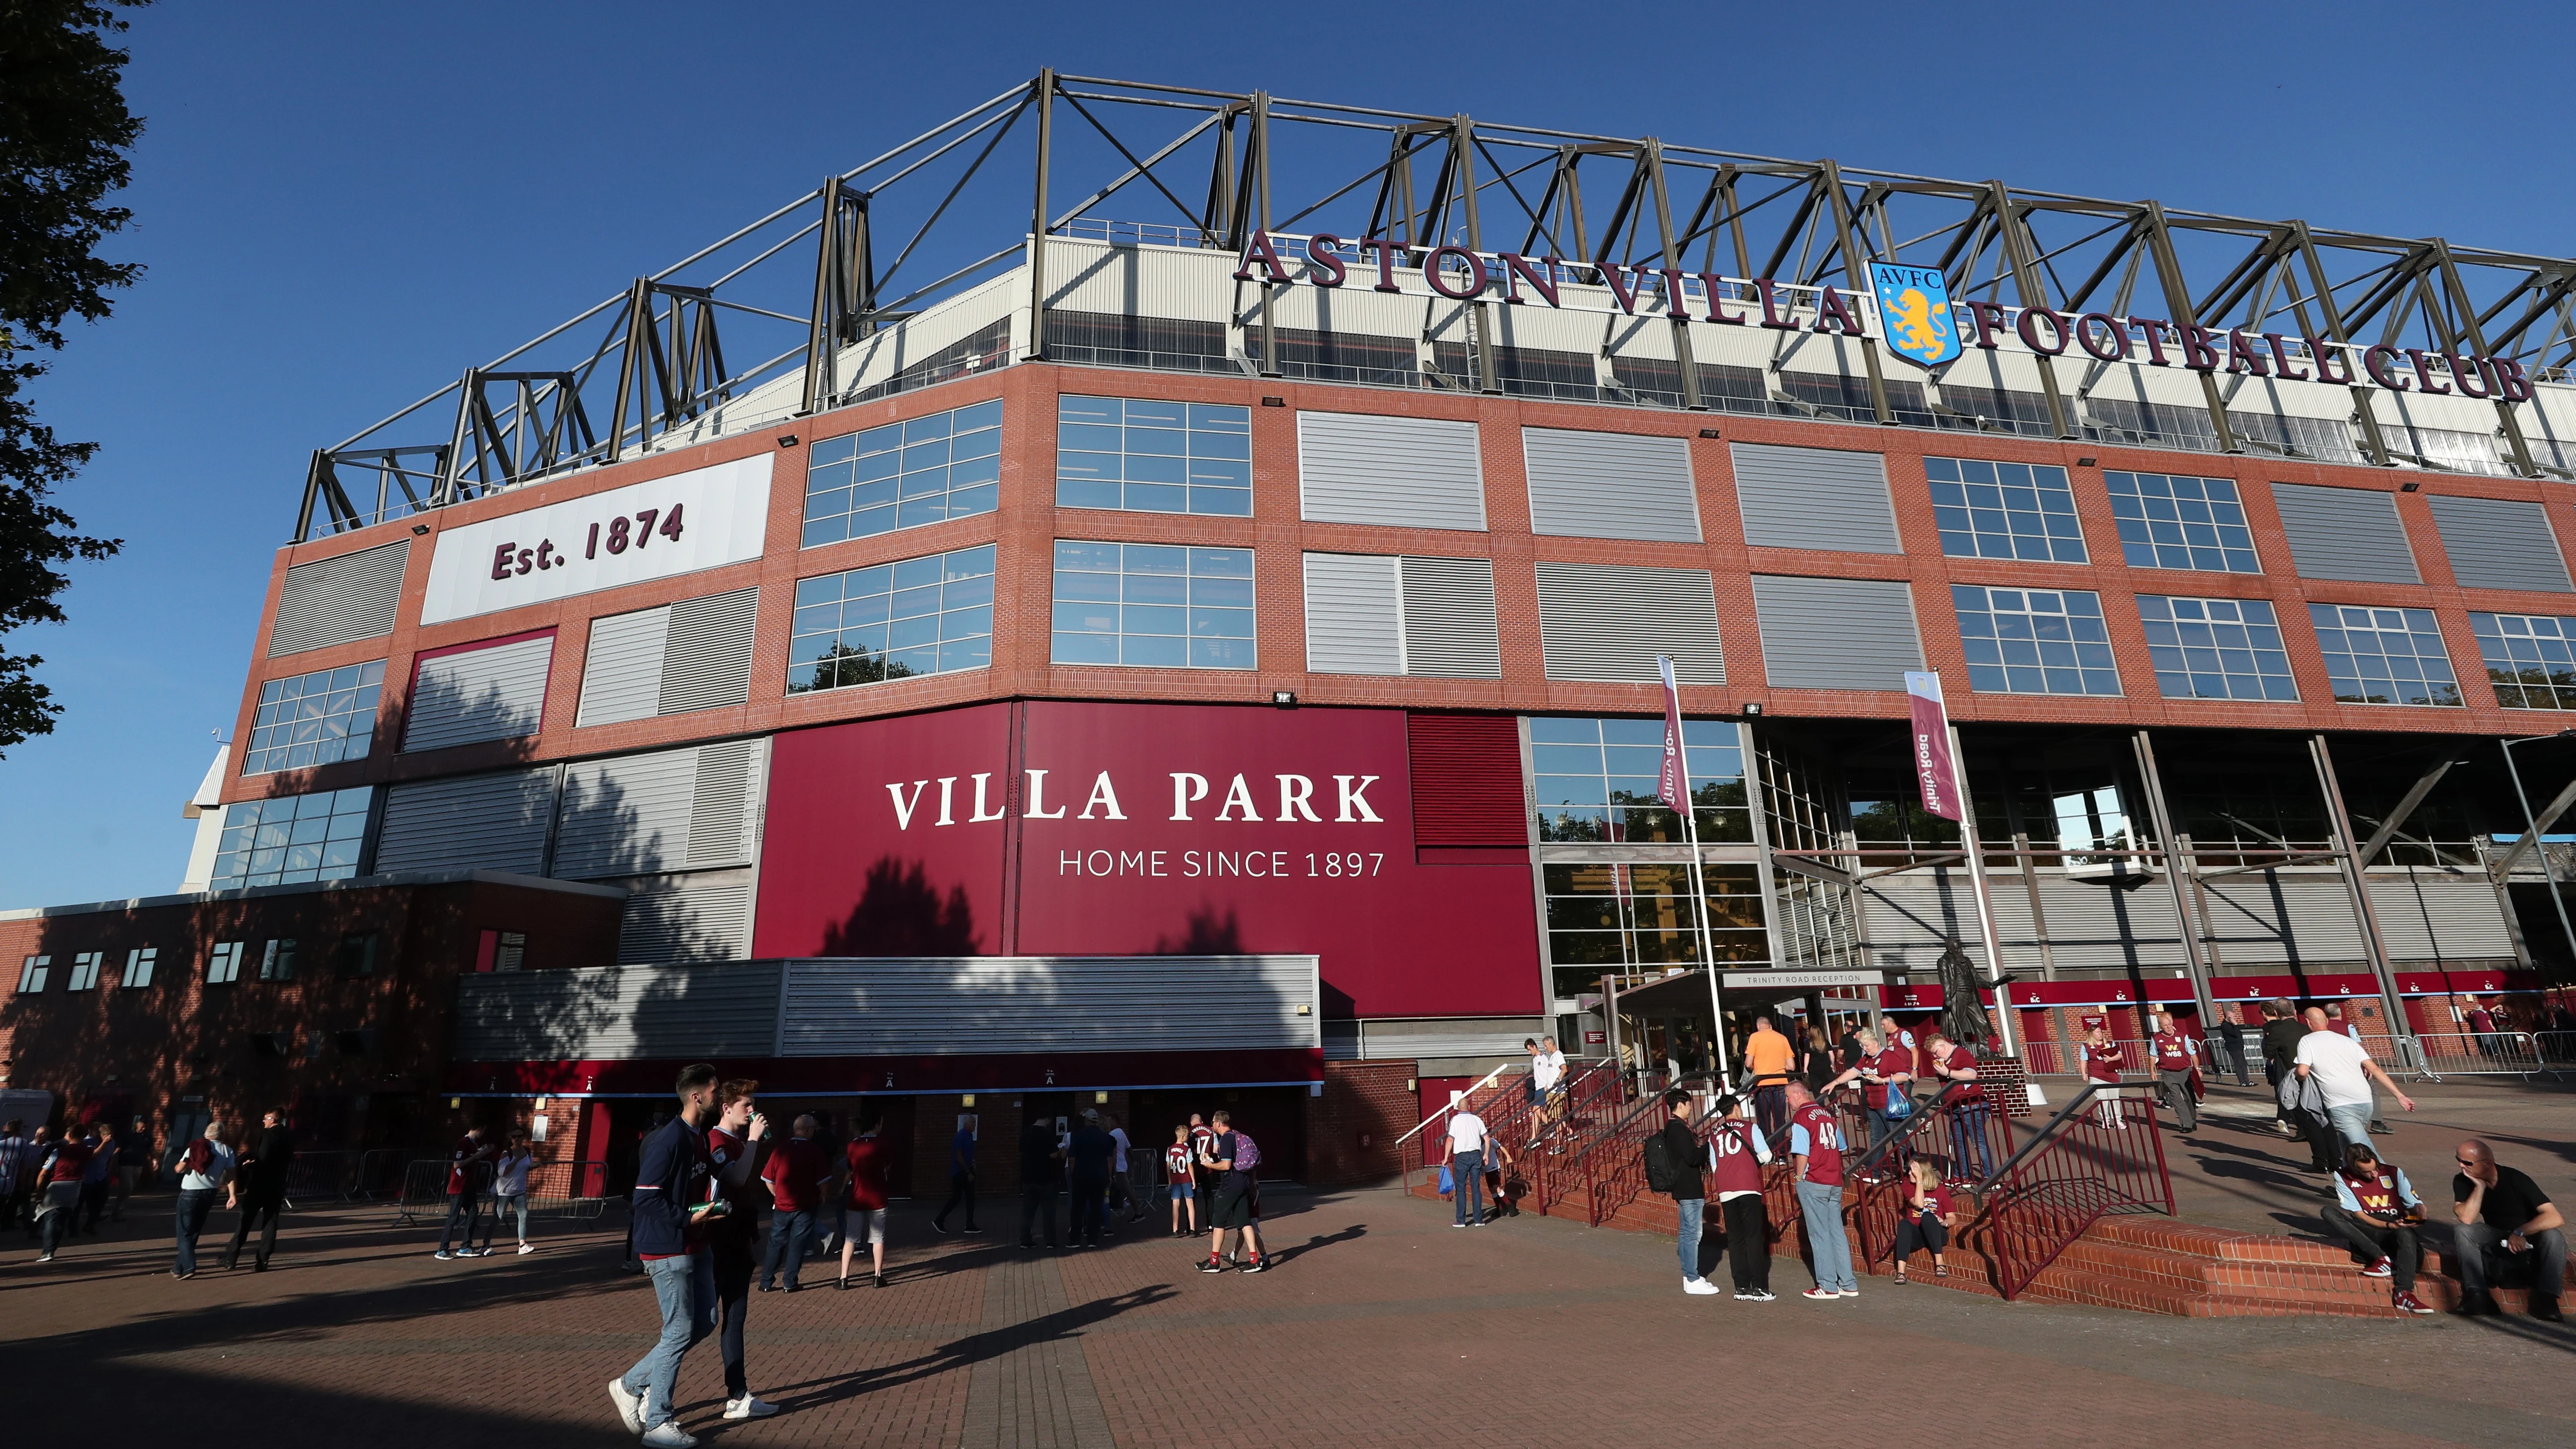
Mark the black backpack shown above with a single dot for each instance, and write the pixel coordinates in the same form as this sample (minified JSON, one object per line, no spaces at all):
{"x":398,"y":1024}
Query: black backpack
{"x":1659,"y":1165}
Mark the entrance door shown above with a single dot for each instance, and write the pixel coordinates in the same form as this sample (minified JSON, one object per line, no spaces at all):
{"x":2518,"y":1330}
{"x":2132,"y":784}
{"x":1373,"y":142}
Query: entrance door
{"x":186,"y":1126}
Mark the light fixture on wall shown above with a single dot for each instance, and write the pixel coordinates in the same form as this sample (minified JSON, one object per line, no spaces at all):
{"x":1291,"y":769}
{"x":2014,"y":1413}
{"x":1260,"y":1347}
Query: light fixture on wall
{"x":2083,"y":462}
{"x":787,"y":440}
{"x":1708,"y":432}
{"x":1274,"y":402}
{"x":1753,"y":709}
{"x":2409,"y":486}
{"x":420,"y":530}
{"x":1284,"y":698}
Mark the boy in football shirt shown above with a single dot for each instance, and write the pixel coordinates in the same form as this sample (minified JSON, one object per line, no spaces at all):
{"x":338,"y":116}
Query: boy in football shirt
{"x":2376,"y":1210}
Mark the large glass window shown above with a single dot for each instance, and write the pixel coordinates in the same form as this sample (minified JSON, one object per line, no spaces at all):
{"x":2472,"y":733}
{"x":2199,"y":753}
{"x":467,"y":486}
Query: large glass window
{"x":2035,"y":641}
{"x":1595,"y":780}
{"x":1153,"y":605}
{"x":314,"y":719}
{"x":2004,"y":510}
{"x":292,"y":839}
{"x":2181,"y":523}
{"x":1605,"y":917}
{"x":892,"y":621}
{"x":2531,"y":659}
{"x":2384,"y":656}
{"x":1153,"y":457}
{"x":903,"y":475}
{"x":2216,"y":648}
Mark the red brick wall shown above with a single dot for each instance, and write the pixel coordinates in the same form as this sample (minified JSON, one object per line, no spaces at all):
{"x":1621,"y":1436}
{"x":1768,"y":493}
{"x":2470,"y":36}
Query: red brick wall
{"x":1028,"y":522}
{"x":1351,"y":1129}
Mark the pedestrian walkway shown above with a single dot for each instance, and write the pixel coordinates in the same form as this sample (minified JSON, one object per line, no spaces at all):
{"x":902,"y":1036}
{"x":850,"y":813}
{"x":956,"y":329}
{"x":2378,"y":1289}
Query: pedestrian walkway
{"x":1375,"y":1312}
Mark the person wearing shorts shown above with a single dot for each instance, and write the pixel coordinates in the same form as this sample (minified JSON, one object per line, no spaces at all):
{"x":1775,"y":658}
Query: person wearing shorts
{"x":1178,"y":1172}
{"x":863,"y":1209}
{"x":1232,"y":1156}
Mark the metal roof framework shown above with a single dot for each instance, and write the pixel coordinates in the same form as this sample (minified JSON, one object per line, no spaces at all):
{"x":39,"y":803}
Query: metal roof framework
{"x":876,"y":244}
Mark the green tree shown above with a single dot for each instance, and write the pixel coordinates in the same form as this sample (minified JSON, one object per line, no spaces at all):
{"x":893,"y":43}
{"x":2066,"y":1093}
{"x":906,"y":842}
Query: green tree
{"x":64,"y":138}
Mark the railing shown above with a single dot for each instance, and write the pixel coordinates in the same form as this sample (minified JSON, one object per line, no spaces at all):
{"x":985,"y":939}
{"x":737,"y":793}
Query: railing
{"x":555,"y":1189}
{"x":379,"y":1173}
{"x":2435,"y":1055}
{"x":322,"y":1177}
{"x":1502,"y":1099}
{"x":1960,"y":1132}
{"x":2556,"y":1049}
{"x":2078,"y":1168}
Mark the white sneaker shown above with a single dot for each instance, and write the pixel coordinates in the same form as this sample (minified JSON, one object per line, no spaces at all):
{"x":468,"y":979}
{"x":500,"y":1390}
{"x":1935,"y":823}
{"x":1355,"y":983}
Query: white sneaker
{"x":1698,"y":1285}
{"x":1849,"y":1293}
{"x":1762,"y":1295}
{"x":527,"y":1247}
{"x":630,"y":1407}
{"x":669,"y":1435}
{"x":442,"y":1255}
{"x":749,"y":1406}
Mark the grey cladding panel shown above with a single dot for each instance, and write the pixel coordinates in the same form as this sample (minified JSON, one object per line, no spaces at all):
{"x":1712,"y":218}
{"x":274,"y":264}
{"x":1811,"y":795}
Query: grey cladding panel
{"x":338,"y":600}
{"x":1836,"y":633}
{"x":1450,"y":628}
{"x":2345,"y":533}
{"x":1597,"y":621}
{"x":621,"y":674}
{"x":2500,"y":543}
{"x":2433,"y":916}
{"x":1002,"y":1004}
{"x":477,"y":822}
{"x":1354,"y":620}
{"x":626,"y":816}
{"x":493,"y":693}
{"x":1402,"y":472}
{"x":1814,"y":498}
{"x":1610,"y":485}
{"x":704,"y":916}
{"x":708,"y":659}
{"x":618,"y":1012}
{"x":721,"y":804}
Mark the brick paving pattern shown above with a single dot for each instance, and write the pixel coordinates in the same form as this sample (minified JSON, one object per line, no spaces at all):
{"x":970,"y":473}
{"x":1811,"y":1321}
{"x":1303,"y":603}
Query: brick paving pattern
{"x":1378,"y":1323}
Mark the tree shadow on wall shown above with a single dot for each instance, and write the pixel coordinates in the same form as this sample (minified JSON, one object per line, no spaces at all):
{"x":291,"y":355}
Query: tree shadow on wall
{"x":900,"y":913}
{"x":1206,"y":936}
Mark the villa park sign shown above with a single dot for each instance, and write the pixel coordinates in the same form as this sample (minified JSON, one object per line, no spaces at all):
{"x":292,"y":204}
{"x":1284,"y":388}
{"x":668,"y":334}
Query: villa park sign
{"x":1935,"y":327}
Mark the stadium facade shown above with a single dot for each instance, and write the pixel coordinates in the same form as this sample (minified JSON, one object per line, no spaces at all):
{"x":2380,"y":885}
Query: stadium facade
{"x":1188,"y":656}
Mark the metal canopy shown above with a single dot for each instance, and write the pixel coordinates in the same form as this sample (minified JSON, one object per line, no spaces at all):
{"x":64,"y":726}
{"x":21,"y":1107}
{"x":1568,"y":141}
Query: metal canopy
{"x":952,"y":208}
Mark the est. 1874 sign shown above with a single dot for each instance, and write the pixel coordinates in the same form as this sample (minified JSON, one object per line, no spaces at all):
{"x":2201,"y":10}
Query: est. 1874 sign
{"x":676,"y":525}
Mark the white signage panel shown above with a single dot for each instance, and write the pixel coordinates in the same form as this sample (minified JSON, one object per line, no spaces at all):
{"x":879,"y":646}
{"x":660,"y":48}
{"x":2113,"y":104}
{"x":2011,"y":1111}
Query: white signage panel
{"x":701,"y":519}
{"x":1798,"y":980}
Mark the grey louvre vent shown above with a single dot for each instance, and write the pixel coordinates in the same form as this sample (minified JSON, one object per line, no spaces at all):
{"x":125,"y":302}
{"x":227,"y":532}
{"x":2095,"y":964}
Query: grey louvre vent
{"x":1610,"y":485}
{"x":338,"y":600}
{"x":709,"y":658}
{"x":1413,"y":1040}
{"x":2500,"y":543}
{"x":1016,"y":1004}
{"x":497,"y":692}
{"x":1402,"y":472}
{"x":1597,"y":621}
{"x":1836,"y":633}
{"x":618,"y":1013}
{"x":2280,"y":919}
{"x":705,"y":916}
{"x":1354,"y":618}
{"x":2433,"y":915}
{"x":2345,"y":533}
{"x":477,"y":822}
{"x":621,"y":675}
{"x":720,"y":804}
{"x":1450,"y":631}
{"x":1814,"y":498}
{"x":626,"y":816}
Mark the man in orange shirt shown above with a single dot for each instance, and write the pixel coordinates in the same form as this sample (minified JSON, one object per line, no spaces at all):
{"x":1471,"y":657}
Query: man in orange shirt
{"x":1771,"y":1060}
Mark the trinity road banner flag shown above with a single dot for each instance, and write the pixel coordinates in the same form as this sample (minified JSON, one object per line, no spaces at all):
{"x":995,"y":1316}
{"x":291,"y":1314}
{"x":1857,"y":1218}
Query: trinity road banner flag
{"x":1674,"y":784}
{"x":1932,"y":767}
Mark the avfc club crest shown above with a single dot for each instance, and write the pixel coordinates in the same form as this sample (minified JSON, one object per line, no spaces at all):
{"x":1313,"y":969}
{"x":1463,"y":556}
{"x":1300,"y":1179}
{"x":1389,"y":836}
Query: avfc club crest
{"x":1914,"y":312}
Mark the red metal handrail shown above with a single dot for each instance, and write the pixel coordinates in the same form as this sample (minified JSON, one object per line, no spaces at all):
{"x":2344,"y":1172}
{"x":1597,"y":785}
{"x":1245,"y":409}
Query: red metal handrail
{"x":2065,"y":1179}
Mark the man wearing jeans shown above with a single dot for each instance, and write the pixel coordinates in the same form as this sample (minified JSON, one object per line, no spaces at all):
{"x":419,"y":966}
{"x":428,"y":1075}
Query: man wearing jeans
{"x":205,"y":1168}
{"x":1816,"y":1147}
{"x":2343,"y":1073}
{"x":1971,"y":1157}
{"x":795,"y":1176}
{"x":2501,"y":1208}
{"x":1466,"y":1159}
{"x":1689,"y":1188}
{"x":466,"y":1167}
{"x":672,"y":1178}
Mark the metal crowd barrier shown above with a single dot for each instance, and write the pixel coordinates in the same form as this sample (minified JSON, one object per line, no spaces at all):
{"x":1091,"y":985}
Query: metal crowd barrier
{"x":2557,"y":1050}
{"x":424,"y":1189}
{"x":313,"y":1177}
{"x":2435,"y":1055}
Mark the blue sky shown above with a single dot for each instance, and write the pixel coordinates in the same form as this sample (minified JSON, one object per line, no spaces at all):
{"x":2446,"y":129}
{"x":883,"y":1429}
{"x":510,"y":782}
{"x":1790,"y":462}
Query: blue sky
{"x":342,"y":207}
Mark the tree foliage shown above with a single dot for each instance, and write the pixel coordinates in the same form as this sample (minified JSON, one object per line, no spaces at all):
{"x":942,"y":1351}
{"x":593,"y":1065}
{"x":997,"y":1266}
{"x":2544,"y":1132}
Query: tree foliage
{"x":64,"y":138}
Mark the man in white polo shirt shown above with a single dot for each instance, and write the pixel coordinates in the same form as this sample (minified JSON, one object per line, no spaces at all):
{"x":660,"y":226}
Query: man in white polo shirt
{"x":1547,"y":1088}
{"x":1466,"y":1159}
{"x":2343,"y":1073}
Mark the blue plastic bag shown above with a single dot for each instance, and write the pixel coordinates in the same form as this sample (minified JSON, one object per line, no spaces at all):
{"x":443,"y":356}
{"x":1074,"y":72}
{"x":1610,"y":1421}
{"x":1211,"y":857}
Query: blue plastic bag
{"x":1448,"y":1184}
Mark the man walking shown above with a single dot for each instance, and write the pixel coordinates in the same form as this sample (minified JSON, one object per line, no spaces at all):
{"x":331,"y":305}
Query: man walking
{"x":205,"y":1168}
{"x":13,"y":1145}
{"x":1464,"y":1154}
{"x":261,"y":1174}
{"x":1816,"y":1151}
{"x":1232,"y":1156}
{"x":961,"y":1177}
{"x":863,"y":1210}
{"x":2282,"y":1032}
{"x":670,"y":1208}
{"x":59,"y":1213}
{"x":1771,"y":1061}
{"x":2173,"y":1054}
{"x":1681,"y":1158}
{"x":734,"y":1147}
{"x":2231,"y":1035}
{"x":1121,"y":1188}
{"x":794,"y":1173}
{"x":466,"y":1163}
{"x":1091,"y":1152}
{"x":2500,"y":1207}
{"x":1041,"y":1168}
{"x":2343,"y":1073}
{"x":1737,"y":1153}
{"x":32,"y":1153}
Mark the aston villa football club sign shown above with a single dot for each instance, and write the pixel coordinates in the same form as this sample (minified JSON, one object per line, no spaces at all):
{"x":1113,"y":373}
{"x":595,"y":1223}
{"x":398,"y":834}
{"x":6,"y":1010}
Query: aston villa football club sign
{"x":1914,"y":312}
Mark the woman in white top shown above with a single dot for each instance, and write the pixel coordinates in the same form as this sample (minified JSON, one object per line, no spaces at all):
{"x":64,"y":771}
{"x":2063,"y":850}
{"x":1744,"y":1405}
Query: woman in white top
{"x":510,"y":1185}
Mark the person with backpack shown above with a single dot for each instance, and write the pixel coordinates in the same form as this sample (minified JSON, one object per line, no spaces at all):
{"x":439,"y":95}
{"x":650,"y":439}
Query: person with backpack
{"x":1674,"y":1161}
{"x":1232,"y":1156}
{"x":672,"y":1208}
{"x":1737,"y":1153}
{"x":1816,"y":1150}
{"x":205,"y":1168}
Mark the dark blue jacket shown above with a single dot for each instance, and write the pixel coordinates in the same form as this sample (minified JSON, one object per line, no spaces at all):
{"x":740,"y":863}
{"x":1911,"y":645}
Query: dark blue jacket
{"x":670,"y":1174}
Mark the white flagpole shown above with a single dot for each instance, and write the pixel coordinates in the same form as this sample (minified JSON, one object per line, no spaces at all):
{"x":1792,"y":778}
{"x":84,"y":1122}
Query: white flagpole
{"x":1699,"y":882}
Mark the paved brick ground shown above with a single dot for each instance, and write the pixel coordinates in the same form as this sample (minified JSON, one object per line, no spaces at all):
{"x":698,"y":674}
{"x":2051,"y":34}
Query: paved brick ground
{"x":1382,"y":1325}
